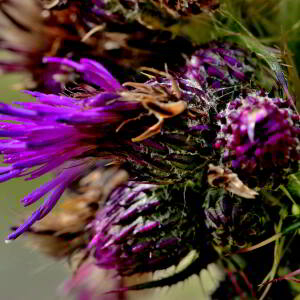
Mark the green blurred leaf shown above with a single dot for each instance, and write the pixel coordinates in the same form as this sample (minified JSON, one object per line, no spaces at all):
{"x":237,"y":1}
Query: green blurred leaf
{"x":293,"y":186}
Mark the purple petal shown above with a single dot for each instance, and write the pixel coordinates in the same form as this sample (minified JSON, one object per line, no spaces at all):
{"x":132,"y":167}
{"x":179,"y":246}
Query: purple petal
{"x":93,"y":72}
{"x":7,"y":109}
{"x":24,"y":227}
{"x":10,"y":175}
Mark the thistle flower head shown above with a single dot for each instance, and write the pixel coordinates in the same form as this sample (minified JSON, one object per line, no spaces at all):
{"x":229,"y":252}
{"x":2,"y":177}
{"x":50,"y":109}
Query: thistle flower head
{"x":230,"y":70}
{"x":259,"y":136}
{"x":70,"y":133}
{"x":145,"y":228}
{"x":127,"y":229}
{"x":220,"y":65}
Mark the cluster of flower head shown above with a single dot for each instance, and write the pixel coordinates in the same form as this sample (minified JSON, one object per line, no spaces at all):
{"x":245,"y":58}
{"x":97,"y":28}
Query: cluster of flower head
{"x":161,"y":131}
{"x":193,"y":141}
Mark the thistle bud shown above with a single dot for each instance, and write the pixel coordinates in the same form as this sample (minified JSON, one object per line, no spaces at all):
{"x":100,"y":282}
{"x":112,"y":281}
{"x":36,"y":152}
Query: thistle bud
{"x":259,"y":136}
{"x":227,"y":68}
{"x":128,"y":229}
{"x":144,"y":228}
{"x":234,"y":222}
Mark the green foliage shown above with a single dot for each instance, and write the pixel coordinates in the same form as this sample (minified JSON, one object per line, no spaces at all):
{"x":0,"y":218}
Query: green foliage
{"x":293,"y":186}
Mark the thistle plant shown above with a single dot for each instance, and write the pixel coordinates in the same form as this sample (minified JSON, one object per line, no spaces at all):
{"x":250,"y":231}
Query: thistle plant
{"x":171,"y":142}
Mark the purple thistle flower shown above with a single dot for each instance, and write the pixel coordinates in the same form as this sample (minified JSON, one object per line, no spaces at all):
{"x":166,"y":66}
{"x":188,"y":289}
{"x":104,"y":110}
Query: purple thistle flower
{"x":259,"y":136}
{"x":69,"y":134}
